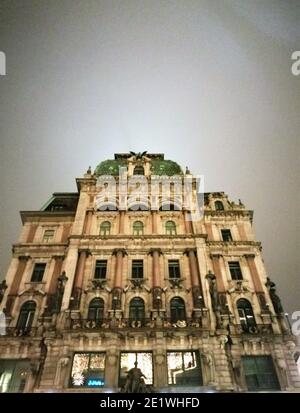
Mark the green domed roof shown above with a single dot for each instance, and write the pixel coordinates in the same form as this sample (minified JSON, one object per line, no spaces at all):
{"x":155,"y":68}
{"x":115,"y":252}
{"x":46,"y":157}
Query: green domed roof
{"x":165,"y":167}
{"x":110,"y":167}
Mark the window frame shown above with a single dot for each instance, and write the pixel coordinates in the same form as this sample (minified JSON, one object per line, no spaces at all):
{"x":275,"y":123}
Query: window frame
{"x":170,"y":261}
{"x":95,"y":269}
{"x":36,"y":272}
{"x":138,"y":230}
{"x":138,"y":268}
{"x":198,"y":364}
{"x":226,"y":231}
{"x":105,"y":230}
{"x":46,"y":238}
{"x":170,"y":229}
{"x":235,"y":273}
{"x":90,"y":353}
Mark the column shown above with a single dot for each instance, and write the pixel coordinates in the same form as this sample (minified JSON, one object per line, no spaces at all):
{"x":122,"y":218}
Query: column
{"x":77,"y":286}
{"x":69,"y":268}
{"x":195,"y":279}
{"x":156,"y":280}
{"x":258,"y":287}
{"x":88,"y":222}
{"x":187,"y":222}
{"x":154,"y":222}
{"x":53,"y":282}
{"x":218,"y":273}
{"x":121,"y":222}
{"x":16,"y":281}
{"x":117,"y":287}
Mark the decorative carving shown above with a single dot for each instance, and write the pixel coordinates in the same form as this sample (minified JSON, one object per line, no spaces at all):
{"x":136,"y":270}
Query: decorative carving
{"x":212,"y":283}
{"x":175,"y":283}
{"x":274,"y":297}
{"x":116,"y":298}
{"x":3,"y":287}
{"x":157,"y":298}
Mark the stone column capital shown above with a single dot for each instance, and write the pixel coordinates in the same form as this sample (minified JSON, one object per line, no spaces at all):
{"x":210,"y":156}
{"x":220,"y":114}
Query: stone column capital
{"x":119,"y":250}
{"x":212,"y":256}
{"x":249,"y":256}
{"x":187,"y":251}
{"x":85,"y":251}
{"x":152,"y":250}
{"x":24,"y":257}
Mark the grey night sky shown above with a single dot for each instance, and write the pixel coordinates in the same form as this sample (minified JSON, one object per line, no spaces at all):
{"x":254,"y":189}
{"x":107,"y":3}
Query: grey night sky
{"x":206,"y":82}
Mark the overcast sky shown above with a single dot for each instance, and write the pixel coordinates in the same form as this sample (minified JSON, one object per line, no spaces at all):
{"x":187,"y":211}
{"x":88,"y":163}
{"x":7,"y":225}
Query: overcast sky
{"x":208,"y":83}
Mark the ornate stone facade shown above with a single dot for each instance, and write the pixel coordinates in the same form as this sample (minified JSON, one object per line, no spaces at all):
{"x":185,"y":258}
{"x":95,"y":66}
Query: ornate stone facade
{"x":89,"y":291}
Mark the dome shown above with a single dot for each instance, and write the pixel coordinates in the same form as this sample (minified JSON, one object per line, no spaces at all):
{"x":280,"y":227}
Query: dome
{"x":165,"y":167}
{"x":110,"y":167}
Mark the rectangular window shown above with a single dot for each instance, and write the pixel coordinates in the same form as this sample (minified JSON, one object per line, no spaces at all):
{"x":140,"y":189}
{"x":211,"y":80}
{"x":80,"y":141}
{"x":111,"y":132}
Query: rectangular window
{"x":260,"y":373}
{"x":184,"y":368}
{"x":174,"y":269}
{"x":100,"y":269}
{"x":137,"y":269}
{"x":88,"y":370}
{"x":48,"y":235}
{"x":226,"y":235}
{"x":144,"y":363}
{"x":235,"y":270}
{"x":38,"y":272}
{"x":13,"y":379}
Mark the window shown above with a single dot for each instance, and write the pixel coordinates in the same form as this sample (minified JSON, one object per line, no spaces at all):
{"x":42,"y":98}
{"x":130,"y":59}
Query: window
{"x":246,"y":316}
{"x":26,"y":317}
{"x":138,"y":170}
{"x":226,"y":235}
{"x":235,"y":270}
{"x":96,"y":310}
{"x":219,"y":206}
{"x":138,"y":228}
{"x":38,"y":272}
{"x":100,"y":269}
{"x":144,"y":362}
{"x":174,"y":269}
{"x":137,"y":269}
{"x":260,"y":373}
{"x":137,"y":309}
{"x":105,"y":228}
{"x":170,"y":228}
{"x":184,"y":368}
{"x":88,"y":370}
{"x":14,"y":374}
{"x":48,"y":235}
{"x":169,"y":207}
{"x":177,"y":309}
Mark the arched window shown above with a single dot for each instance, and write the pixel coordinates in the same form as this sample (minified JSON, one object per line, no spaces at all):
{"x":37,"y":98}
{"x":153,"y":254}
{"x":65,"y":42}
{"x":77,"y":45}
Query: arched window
{"x":105,"y":228}
{"x":169,"y":207}
{"x":219,"y":206}
{"x":246,"y":315}
{"x":138,"y":228}
{"x":177,"y":309}
{"x":139,"y":170}
{"x":170,"y":228}
{"x":137,"y":310}
{"x":96,"y":311}
{"x":26,"y":317}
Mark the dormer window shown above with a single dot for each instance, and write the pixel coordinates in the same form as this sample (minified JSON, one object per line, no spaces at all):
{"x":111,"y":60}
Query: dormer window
{"x":219,"y":206}
{"x":139,"y":170}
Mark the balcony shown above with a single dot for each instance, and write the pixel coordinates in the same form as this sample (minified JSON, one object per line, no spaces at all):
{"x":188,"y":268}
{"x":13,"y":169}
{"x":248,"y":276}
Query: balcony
{"x":19,"y":332}
{"x":258,"y":329}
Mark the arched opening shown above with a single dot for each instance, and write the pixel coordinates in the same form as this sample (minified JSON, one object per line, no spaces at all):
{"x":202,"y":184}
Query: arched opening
{"x":169,"y":207}
{"x":219,"y":206}
{"x":105,"y":228}
{"x":138,"y":228}
{"x":137,"y":311}
{"x":170,"y":228}
{"x":246,"y":316}
{"x":138,"y":207}
{"x":96,"y":311}
{"x":26,"y":317}
{"x":139,"y":170}
{"x":177,"y":309}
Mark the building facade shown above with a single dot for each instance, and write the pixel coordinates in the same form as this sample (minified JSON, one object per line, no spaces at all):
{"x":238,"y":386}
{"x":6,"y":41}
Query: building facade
{"x":94,"y":287}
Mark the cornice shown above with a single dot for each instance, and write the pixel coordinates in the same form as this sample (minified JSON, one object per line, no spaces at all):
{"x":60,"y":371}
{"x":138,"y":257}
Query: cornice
{"x":45,"y":214}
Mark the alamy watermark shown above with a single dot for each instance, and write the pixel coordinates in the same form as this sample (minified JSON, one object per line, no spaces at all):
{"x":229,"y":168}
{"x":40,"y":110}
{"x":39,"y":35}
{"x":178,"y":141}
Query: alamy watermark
{"x":296,"y":323}
{"x":134,"y":193}
{"x":295,"y":68}
{"x":2,"y":64}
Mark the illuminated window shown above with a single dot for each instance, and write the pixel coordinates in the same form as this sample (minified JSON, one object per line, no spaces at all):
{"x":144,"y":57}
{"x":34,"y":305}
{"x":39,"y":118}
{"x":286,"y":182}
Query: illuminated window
{"x":144,"y":363}
{"x":260,"y":373}
{"x":38,"y":272}
{"x":177,"y":309}
{"x":184,"y":368}
{"x":137,"y":269}
{"x":138,"y":228}
{"x":235,"y":270}
{"x":100,"y":269}
{"x":48,"y":235}
{"x":13,"y":375}
{"x":105,"y":228}
{"x":96,"y":310}
{"x":170,"y":228}
{"x":246,"y":315}
{"x":88,"y":370}
{"x":174,"y":269}
{"x":26,"y":317}
{"x":219,"y":206}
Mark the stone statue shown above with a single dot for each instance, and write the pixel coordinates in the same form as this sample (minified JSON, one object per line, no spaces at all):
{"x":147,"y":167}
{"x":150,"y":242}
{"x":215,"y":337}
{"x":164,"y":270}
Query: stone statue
{"x":135,"y":381}
{"x":274,"y":297}
{"x":212,"y":282}
{"x":3,"y":287}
